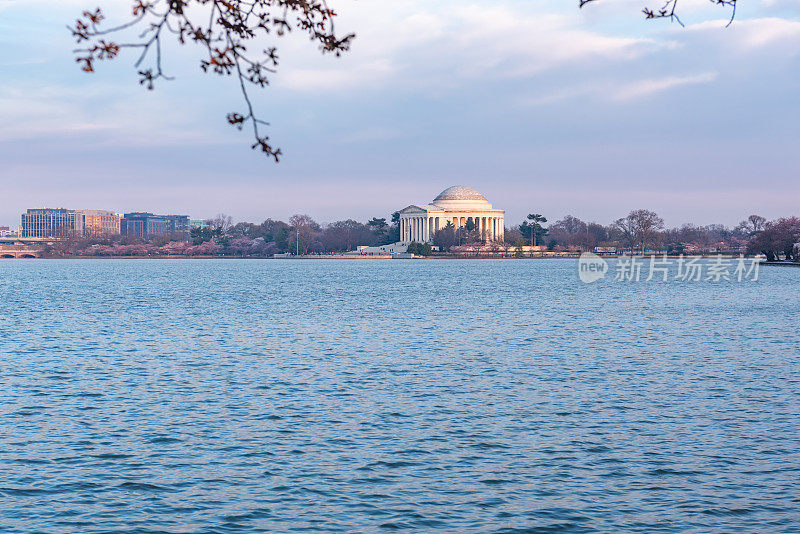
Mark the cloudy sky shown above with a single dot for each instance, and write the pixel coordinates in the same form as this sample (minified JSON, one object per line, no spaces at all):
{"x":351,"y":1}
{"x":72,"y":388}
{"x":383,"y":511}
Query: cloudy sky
{"x":541,"y":106}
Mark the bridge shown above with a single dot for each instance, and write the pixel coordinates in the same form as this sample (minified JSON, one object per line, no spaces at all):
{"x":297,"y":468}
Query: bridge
{"x":19,"y":251}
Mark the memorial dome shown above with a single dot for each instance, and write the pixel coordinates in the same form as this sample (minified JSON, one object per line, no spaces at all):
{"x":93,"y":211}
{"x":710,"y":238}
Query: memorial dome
{"x":461,"y":197}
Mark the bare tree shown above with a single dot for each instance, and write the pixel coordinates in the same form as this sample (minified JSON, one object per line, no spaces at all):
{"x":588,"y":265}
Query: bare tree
{"x":753,"y":225}
{"x":346,"y":235}
{"x":222,"y":222}
{"x":626,"y":231}
{"x":224,"y":30}
{"x":778,"y":237}
{"x":573,"y":232}
{"x":640,"y":228}
{"x":303,"y":234}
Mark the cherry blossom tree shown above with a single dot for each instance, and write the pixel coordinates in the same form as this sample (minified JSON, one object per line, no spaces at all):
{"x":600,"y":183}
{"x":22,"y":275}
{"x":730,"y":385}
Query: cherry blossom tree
{"x":235,"y":38}
{"x":228,"y":33}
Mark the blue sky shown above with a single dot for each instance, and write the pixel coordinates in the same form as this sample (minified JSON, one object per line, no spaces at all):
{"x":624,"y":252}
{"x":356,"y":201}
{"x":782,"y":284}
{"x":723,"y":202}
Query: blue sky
{"x":541,"y":106}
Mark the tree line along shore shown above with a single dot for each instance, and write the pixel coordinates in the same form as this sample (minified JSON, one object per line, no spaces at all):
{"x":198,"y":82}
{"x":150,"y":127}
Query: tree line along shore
{"x":640,"y":232}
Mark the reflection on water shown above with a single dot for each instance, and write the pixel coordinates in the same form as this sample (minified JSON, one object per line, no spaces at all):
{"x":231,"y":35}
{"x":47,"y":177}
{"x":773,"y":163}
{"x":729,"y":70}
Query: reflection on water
{"x":347,"y":396}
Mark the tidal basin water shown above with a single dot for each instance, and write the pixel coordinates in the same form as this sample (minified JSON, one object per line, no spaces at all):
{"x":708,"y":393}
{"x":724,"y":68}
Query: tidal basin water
{"x":145,"y":396}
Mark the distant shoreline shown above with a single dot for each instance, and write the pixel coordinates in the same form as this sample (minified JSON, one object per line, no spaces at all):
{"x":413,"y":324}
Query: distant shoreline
{"x":353,"y":257}
{"x":783,"y":263}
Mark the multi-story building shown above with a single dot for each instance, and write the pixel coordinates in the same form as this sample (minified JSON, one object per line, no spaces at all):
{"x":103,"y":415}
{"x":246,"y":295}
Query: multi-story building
{"x":178,"y":224}
{"x":64,"y":223}
{"x":5,"y":231}
{"x":147,"y":225}
{"x":55,"y":223}
{"x":143,"y":225}
{"x":98,"y":223}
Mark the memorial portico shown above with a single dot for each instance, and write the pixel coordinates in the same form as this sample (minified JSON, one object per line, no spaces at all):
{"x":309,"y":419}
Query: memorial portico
{"x":457,"y":205}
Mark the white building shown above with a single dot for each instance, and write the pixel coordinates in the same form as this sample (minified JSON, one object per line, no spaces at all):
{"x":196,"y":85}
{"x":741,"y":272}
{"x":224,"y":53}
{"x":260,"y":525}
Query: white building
{"x":5,"y":231}
{"x":456,"y":205}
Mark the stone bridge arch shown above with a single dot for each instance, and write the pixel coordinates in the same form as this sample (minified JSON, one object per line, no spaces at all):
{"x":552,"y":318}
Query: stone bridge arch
{"x":18,"y":253}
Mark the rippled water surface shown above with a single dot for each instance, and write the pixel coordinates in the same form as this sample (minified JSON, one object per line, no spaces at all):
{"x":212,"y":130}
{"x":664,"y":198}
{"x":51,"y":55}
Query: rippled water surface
{"x":369,"y":396}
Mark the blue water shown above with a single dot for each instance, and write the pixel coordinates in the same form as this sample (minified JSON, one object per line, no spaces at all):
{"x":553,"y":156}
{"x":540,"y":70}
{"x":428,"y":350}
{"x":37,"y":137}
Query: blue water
{"x":370,"y":396}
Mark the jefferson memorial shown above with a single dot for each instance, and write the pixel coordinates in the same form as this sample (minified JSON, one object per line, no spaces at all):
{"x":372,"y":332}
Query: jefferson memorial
{"x":456,"y":205}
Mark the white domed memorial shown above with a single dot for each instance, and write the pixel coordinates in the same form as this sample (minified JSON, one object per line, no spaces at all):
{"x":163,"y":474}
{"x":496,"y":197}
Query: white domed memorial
{"x":457,"y":205}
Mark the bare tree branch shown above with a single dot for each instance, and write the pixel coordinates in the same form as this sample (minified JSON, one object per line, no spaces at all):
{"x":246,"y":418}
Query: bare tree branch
{"x":232,"y":25}
{"x":669,"y":10}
